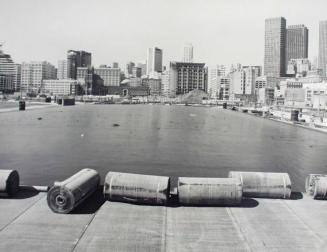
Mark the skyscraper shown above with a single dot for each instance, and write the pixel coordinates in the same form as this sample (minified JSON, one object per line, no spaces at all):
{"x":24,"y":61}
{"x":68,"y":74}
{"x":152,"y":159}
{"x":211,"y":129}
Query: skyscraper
{"x":188,"y":53}
{"x":296,"y":42}
{"x":275,"y":43}
{"x":322,"y":47}
{"x":154,"y":62}
{"x":77,"y":59}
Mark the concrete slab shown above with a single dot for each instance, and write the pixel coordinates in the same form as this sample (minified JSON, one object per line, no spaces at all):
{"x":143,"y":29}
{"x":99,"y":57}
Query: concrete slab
{"x":313,"y":213}
{"x":272,"y":226}
{"x":125,"y":227}
{"x":39,"y":229}
{"x":11,"y":208}
{"x":202,"y":229}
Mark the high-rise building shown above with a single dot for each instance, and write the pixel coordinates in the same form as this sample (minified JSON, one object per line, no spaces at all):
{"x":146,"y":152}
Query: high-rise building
{"x":275,"y":44}
{"x":129,"y":69}
{"x":77,"y":59}
{"x":154,"y":62}
{"x":322,"y":57}
{"x":115,"y":65}
{"x":33,"y":73}
{"x":63,"y":70}
{"x":188,"y":53}
{"x":110,"y":76}
{"x":10,"y":72}
{"x":188,"y":76}
{"x":297,"y":37}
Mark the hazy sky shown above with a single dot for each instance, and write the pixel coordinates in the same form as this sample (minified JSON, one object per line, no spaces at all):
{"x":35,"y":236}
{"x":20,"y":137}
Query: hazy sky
{"x":221,"y":31}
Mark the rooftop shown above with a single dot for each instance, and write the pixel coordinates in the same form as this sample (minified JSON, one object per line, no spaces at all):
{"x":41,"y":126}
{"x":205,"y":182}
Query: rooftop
{"x":298,"y":224}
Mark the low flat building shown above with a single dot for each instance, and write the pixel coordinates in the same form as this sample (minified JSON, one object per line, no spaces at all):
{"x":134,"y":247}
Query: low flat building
{"x":60,"y":87}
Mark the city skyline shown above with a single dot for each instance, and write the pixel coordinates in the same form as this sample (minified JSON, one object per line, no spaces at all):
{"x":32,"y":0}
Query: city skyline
{"x":221,"y":33}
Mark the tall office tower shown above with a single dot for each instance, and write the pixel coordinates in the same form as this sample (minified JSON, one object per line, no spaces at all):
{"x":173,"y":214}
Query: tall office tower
{"x":188,"y":76}
{"x":322,"y":57}
{"x":297,"y":37}
{"x":129,"y":69}
{"x":63,"y":70}
{"x":188,"y":53}
{"x":275,"y":44}
{"x":33,"y":73}
{"x":77,"y":59}
{"x":110,"y":76}
{"x":154,"y":62}
{"x":10,"y":72}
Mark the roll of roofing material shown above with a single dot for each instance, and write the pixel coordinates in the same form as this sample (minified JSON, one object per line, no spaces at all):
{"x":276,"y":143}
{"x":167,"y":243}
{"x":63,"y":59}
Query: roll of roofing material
{"x":264,"y":184}
{"x":210,"y":191}
{"x":311,"y":181}
{"x":136,"y":188}
{"x":9,"y":182}
{"x":64,"y":196}
{"x":320,"y":189}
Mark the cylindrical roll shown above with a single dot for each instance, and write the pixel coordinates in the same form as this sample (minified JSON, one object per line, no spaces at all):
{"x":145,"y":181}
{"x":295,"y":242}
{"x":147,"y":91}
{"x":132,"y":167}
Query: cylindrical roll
{"x":64,"y":196}
{"x":9,"y":182}
{"x":136,"y":188}
{"x":264,"y":184}
{"x":311,"y":181}
{"x":210,"y":191}
{"x":320,"y":189}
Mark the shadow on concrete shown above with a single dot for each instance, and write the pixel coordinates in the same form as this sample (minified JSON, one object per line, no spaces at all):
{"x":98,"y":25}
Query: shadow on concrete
{"x":296,"y":196}
{"x":22,"y":194}
{"x":246,"y":203}
{"x":91,"y":204}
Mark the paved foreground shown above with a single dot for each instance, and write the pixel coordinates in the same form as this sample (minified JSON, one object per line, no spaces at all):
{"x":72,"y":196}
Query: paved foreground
{"x":27,"y":224}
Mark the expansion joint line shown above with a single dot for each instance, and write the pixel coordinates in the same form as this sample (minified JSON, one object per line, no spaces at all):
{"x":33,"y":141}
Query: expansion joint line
{"x":24,"y":211}
{"x":83,"y":232}
{"x":238,"y":227}
{"x":164,"y":232}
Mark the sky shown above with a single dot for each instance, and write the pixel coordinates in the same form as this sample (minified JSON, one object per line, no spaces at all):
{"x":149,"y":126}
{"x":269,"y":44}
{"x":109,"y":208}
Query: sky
{"x":221,"y":31}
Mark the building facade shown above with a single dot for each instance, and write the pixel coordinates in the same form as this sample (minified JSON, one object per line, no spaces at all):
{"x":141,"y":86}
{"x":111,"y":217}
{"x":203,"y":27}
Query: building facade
{"x":60,"y":87}
{"x":189,"y":76}
{"x":153,"y":85}
{"x":322,"y":57}
{"x":154,"y":60}
{"x":6,"y":84}
{"x":63,"y":70}
{"x":77,"y":59}
{"x":110,"y":76}
{"x":275,"y":44}
{"x":188,"y":53}
{"x":33,"y":73}
{"x":11,"y":70}
{"x":297,"y":37}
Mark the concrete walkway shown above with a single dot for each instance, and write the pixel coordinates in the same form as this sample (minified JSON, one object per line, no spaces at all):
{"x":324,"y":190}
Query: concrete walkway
{"x":27,"y":224}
